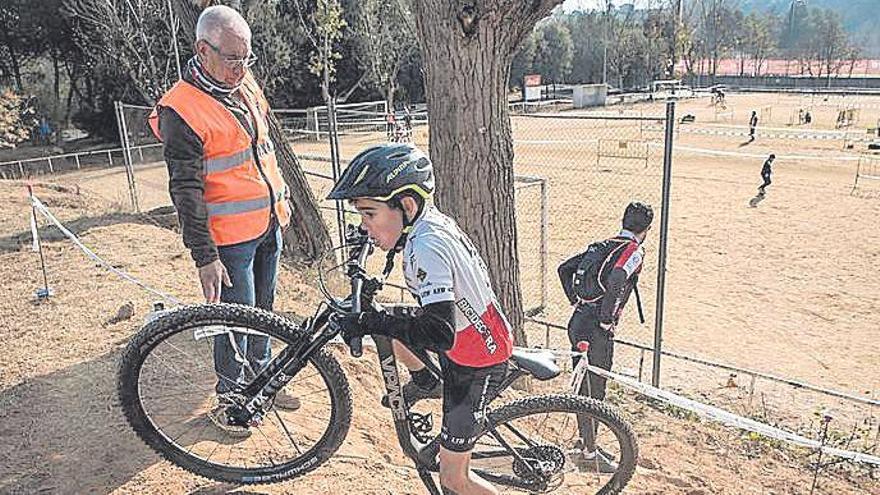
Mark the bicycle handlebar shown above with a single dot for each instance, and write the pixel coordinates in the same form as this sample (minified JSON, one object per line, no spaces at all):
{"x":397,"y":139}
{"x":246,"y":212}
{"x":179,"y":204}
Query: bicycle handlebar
{"x":355,"y":270}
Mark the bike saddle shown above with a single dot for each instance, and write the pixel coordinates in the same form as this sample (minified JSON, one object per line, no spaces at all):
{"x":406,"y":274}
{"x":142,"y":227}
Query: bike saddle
{"x":540,"y":364}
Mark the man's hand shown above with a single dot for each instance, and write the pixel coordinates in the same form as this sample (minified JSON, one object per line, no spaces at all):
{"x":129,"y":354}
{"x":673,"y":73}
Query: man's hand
{"x":213,"y":277}
{"x":608,"y":327}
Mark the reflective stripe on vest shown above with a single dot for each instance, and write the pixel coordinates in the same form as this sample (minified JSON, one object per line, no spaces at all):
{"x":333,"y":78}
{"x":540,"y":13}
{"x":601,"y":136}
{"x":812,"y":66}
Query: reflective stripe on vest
{"x":222,"y":163}
{"x":235,"y":207}
{"x":237,"y":184}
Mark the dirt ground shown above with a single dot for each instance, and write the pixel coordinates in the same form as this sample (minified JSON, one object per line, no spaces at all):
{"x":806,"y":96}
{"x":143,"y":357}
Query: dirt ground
{"x":761,"y":288}
{"x":786,"y":288}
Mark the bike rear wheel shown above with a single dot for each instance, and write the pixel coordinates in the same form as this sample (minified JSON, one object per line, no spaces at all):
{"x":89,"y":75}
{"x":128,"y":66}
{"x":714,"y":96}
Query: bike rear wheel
{"x":167,"y":392}
{"x":543,"y":430}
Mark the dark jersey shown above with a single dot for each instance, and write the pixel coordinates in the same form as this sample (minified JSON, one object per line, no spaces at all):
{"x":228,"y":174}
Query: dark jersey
{"x":617,"y":282}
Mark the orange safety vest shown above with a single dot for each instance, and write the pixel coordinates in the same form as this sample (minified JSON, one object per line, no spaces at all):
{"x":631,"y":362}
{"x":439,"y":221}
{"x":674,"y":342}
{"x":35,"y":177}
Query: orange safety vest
{"x":237,"y":194}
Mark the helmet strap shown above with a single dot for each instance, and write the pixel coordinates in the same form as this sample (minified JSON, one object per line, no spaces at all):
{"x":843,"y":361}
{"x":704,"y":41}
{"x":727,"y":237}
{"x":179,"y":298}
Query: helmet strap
{"x":408,"y":224}
{"x":401,"y":241}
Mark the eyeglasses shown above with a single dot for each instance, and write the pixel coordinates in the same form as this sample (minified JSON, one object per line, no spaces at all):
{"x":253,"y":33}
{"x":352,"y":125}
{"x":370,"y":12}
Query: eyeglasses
{"x":231,"y":61}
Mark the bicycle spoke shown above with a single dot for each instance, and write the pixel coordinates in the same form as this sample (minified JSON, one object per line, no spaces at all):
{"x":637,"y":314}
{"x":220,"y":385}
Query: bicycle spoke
{"x":532,"y":448}
{"x":287,"y":432}
{"x":168,"y":389}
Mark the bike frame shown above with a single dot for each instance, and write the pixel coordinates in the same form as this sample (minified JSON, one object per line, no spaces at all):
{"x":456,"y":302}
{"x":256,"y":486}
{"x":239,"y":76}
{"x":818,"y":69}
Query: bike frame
{"x":320,"y":330}
{"x":424,"y":455}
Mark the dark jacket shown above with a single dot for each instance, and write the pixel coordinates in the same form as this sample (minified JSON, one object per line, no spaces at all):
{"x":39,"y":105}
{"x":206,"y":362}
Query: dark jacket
{"x":767,"y":169}
{"x":183,"y":155}
{"x":618,"y":282}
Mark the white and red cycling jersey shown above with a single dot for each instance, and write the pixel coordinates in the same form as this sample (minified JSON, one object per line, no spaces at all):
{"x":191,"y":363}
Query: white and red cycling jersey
{"x":440,"y":263}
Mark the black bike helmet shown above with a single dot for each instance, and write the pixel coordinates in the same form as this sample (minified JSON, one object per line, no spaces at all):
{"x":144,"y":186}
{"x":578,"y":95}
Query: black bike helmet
{"x":385,"y":171}
{"x":637,"y":217}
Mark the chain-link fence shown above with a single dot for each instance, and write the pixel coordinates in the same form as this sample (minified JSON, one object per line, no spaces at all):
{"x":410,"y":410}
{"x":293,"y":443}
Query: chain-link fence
{"x":592,"y":166}
{"x":411,"y":126}
{"x":575,"y":173}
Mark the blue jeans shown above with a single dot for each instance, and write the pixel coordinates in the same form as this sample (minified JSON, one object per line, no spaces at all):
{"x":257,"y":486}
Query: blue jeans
{"x":253,"y":270}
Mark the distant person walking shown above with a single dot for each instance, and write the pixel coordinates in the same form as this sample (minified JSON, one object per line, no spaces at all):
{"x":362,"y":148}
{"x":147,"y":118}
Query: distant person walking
{"x":753,"y":125}
{"x":766,"y":172}
{"x":390,"y":124}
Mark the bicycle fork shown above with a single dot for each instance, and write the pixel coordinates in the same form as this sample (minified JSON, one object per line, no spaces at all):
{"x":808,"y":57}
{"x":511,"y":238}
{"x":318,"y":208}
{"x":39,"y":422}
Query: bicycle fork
{"x":279,"y":373}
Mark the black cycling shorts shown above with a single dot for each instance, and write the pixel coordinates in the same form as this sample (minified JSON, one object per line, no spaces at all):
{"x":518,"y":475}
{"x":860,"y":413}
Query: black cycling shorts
{"x":465,"y":396}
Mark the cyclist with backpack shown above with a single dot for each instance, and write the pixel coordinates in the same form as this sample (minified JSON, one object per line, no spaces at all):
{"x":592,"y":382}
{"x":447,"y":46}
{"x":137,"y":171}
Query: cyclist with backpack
{"x":598,"y":283}
{"x":459,"y":317}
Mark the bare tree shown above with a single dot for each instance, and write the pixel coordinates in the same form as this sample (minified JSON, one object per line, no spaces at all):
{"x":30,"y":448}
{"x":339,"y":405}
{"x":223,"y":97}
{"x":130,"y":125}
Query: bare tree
{"x":467,"y":47}
{"x":323,"y":25}
{"x":832,"y":47}
{"x":758,"y":42}
{"x":137,"y":35}
{"x":624,"y":41}
{"x":131,"y":34}
{"x":384,"y":31}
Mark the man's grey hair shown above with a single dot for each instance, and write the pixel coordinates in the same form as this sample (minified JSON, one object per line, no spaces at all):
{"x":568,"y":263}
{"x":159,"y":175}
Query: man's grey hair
{"x":219,"y":18}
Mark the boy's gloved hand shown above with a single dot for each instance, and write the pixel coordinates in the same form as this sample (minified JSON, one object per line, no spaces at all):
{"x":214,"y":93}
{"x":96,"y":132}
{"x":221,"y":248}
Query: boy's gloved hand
{"x":360,"y":324}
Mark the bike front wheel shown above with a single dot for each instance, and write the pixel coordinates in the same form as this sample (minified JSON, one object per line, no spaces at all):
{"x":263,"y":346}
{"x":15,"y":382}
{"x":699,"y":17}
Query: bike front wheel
{"x":167,"y":388}
{"x":555,"y":450}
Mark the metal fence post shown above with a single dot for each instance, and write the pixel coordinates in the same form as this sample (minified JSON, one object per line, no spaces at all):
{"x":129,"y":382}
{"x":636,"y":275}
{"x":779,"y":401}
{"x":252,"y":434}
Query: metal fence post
{"x":126,"y":154}
{"x":545,"y":239}
{"x":336,"y":166}
{"x":664,"y":230}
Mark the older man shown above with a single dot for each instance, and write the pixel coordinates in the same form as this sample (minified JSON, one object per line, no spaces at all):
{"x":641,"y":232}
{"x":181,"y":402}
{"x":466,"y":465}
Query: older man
{"x":226,"y":185}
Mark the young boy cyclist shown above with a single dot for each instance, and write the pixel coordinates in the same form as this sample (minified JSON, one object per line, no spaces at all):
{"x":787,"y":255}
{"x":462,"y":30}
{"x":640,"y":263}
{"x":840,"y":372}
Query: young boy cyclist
{"x":459,"y":317}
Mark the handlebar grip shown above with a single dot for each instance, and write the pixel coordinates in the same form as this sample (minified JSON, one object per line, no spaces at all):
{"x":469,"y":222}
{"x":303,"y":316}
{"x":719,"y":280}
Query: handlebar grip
{"x":356,"y":345}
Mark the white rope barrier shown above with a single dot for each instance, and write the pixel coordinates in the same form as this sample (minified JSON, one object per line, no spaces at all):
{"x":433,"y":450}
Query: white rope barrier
{"x":702,"y":410}
{"x":39,"y":206}
{"x":717,"y":414}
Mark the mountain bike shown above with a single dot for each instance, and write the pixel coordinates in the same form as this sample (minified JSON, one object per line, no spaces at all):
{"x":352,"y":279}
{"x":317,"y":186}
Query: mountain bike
{"x":166,"y":388}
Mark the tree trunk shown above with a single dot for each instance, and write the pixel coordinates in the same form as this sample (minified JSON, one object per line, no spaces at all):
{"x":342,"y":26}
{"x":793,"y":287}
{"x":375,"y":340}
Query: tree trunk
{"x":389,"y":94}
{"x":16,"y":70}
{"x":307,"y":238}
{"x":467,"y":48}
{"x":72,"y":89}
{"x":90,"y":92}
{"x":56,"y":73}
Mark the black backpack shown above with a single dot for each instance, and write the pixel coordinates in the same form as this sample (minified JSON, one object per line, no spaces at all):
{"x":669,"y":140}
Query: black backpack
{"x":593,"y":267}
